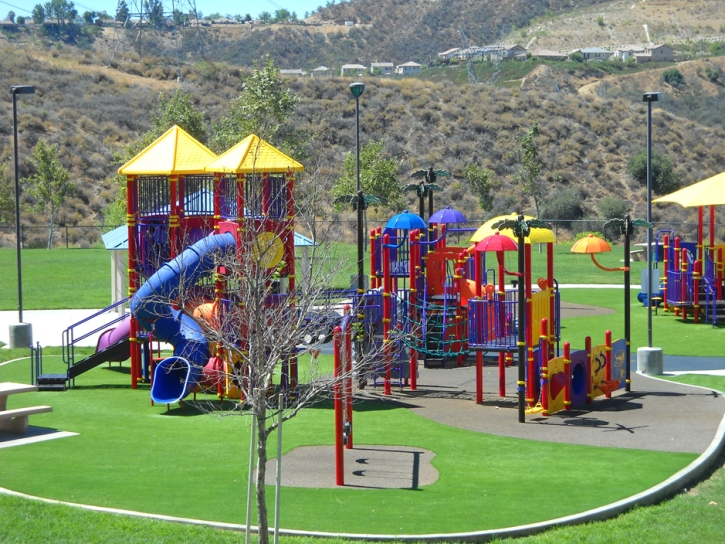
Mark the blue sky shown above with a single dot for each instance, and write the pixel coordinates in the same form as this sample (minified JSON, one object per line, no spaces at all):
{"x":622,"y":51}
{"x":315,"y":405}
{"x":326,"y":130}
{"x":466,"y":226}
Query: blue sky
{"x":25,"y":7}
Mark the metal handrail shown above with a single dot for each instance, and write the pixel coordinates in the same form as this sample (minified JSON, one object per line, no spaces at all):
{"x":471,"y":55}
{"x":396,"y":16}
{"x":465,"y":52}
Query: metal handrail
{"x":69,"y":340}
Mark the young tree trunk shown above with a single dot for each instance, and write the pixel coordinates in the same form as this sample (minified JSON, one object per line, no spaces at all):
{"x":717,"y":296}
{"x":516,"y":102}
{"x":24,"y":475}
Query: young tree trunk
{"x":50,"y":232}
{"x":262,"y":521}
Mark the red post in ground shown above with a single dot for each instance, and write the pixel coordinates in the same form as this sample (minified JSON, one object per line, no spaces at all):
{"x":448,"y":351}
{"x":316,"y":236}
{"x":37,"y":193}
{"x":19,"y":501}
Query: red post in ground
{"x":414,"y":266}
{"x":608,"y":342}
{"x":387,"y":285}
{"x":719,"y":273}
{"x":683,"y":282}
{"x":552,"y":297}
{"x":665,"y":248}
{"x":339,"y":443}
{"x":133,"y":280}
{"x":347,"y":369}
{"x":677,"y":265}
{"x":567,"y":371}
{"x":373,"y":261}
{"x":544,"y":352}
{"x":478,"y":277}
{"x":531,"y":367}
{"x":588,"y":348}
{"x":501,"y":374}
{"x":696,"y":274}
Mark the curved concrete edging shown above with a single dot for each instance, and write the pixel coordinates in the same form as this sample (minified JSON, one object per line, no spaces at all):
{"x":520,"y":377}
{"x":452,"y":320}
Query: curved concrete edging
{"x":651,"y":496}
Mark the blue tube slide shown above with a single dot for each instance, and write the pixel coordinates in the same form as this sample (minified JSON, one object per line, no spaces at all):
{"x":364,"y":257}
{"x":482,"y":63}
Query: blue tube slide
{"x":176,"y":377}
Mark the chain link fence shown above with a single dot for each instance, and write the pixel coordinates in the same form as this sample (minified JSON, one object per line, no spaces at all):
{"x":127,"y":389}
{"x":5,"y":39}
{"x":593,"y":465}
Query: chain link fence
{"x":327,"y":231}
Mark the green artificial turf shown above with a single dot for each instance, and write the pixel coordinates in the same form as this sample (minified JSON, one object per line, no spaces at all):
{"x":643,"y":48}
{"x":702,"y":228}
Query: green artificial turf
{"x":134,"y":456}
{"x":81,"y":278}
{"x":670,"y":333}
{"x":56,"y":279}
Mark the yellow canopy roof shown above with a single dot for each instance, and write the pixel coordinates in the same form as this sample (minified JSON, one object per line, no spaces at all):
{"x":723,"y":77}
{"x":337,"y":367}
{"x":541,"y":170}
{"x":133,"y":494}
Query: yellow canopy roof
{"x":175,"y":152}
{"x":537,"y":236}
{"x":709,"y":192}
{"x":252,"y":155}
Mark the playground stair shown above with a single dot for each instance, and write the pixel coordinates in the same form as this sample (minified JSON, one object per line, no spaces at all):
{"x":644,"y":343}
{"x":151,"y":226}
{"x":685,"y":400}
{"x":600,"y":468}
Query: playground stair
{"x":58,"y":382}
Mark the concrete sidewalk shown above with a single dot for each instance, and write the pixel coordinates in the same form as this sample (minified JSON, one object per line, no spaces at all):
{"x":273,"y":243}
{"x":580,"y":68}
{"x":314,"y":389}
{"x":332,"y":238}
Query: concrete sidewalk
{"x":48,"y":325}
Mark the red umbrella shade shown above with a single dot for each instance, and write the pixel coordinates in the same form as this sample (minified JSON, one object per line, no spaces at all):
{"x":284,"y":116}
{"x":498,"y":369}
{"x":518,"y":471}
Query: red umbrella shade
{"x":590,"y":244}
{"x":447,"y":215}
{"x":496,"y":242}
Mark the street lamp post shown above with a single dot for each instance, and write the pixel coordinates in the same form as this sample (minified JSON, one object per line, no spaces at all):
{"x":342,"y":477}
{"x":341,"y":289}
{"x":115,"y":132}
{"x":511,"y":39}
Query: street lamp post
{"x":21,"y":335}
{"x":357,"y":90}
{"x":649,"y":98}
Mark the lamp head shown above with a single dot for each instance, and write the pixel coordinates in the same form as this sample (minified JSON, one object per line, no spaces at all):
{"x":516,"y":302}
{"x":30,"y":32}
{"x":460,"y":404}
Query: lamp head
{"x":357,"y":89}
{"x":651,"y":97}
{"x":22,"y":89}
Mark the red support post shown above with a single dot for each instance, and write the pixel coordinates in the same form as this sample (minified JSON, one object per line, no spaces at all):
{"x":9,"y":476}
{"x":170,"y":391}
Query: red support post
{"x":567,"y":371}
{"x":608,"y":342}
{"x":501,"y":373}
{"x":413,"y":266}
{"x":531,"y":367}
{"x":588,"y":348}
{"x":552,"y":297}
{"x":373,"y":261}
{"x":544,"y":353}
{"x":683,"y":283}
{"x":387,"y":285}
{"x":217,"y":200}
{"x":347,"y":366}
{"x":677,"y":265}
{"x":696,"y":275}
{"x":665,"y":252}
{"x":339,"y":429}
{"x":133,"y":279}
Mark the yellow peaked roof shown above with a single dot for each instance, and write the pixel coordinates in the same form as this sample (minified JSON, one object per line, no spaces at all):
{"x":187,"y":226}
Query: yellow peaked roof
{"x":537,"y":236}
{"x":252,"y":155}
{"x":708,"y":192}
{"x":173,"y":153}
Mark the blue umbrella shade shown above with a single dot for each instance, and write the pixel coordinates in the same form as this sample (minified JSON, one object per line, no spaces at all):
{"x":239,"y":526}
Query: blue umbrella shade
{"x":406,"y":221}
{"x":447,"y":215}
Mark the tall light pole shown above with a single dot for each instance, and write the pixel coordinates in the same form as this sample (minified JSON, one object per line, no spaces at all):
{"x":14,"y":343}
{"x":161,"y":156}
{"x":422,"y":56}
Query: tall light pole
{"x":21,"y":335}
{"x":649,"y":98}
{"x":357,"y":90}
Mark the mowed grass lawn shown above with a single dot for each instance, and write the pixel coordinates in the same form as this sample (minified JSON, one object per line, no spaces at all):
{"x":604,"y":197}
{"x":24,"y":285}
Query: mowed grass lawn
{"x":131,"y":455}
{"x":81,"y":278}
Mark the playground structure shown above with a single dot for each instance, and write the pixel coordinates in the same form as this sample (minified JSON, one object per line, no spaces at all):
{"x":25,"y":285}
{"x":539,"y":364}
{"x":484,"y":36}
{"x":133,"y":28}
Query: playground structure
{"x":428,"y":299}
{"x":181,"y":195}
{"x":443,"y":303}
{"x":693,"y":274}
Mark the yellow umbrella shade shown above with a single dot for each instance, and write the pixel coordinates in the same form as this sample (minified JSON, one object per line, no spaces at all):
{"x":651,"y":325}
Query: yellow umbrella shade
{"x":175,"y":152}
{"x":708,"y":192}
{"x":537,"y":236}
{"x":590,"y":244}
{"x":253,"y":155}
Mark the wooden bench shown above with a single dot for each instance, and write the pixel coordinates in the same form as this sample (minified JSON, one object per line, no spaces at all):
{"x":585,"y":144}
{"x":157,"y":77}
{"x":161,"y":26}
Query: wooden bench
{"x":16,"y":421}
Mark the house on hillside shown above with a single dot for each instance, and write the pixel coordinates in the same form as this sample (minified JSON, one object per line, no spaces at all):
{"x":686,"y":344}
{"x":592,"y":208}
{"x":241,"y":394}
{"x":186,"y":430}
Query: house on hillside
{"x":448,"y":55}
{"x":382,"y":68}
{"x":352,"y":70}
{"x":407,"y":69}
{"x":627,"y":52}
{"x":593,"y":53}
{"x":511,"y":50}
{"x":224,"y":21}
{"x":656,"y":53}
{"x":548,"y":54}
{"x":472,"y":52}
{"x":293,"y":72}
{"x":320,"y":71}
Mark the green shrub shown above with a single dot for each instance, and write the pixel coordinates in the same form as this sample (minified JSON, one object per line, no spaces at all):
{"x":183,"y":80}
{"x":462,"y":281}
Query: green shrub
{"x":673,"y":77}
{"x":576,"y":56}
{"x":565,"y":205}
{"x":712,"y":73}
{"x":664,"y":179}
{"x":611,"y":207}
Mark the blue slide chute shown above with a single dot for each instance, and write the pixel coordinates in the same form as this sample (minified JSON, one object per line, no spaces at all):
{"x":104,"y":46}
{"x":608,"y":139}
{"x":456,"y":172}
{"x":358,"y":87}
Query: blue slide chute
{"x":176,"y":377}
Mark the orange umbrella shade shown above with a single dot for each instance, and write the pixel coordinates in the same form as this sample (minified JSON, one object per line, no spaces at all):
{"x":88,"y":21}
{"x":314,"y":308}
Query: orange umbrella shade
{"x":496,"y":242}
{"x":590,"y":244}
